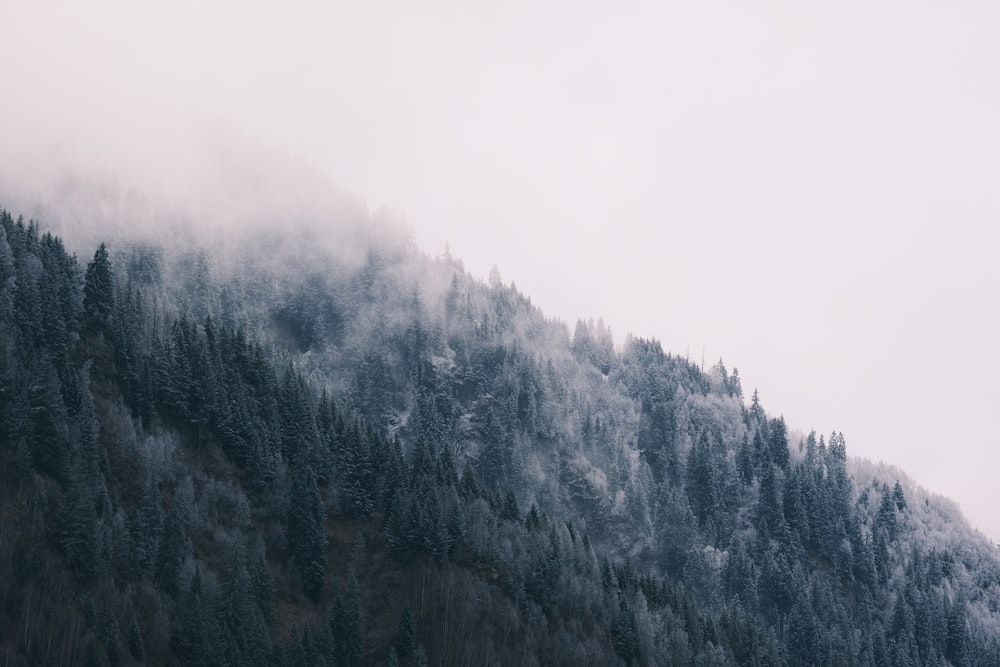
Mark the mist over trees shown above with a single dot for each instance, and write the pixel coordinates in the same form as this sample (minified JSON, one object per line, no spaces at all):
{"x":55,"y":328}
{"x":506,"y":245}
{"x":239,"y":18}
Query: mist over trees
{"x":293,"y":450}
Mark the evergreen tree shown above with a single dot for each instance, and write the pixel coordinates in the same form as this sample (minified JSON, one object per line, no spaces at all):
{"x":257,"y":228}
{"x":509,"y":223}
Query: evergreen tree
{"x":357,"y":474}
{"x":769,"y":514}
{"x":346,"y":623}
{"x":778,"y":442}
{"x":136,"y":647}
{"x":701,"y":484}
{"x":306,"y":532}
{"x":196,"y":637}
{"x":241,"y":622}
{"x":898,"y":497}
{"x":744,"y":461}
{"x":886,"y":518}
{"x":8,"y":278}
{"x":99,"y":290}
{"x":173,"y":550}
{"x":43,"y":418}
{"x":625,"y":634}
{"x":406,"y":634}
{"x":77,"y":527}
{"x":145,"y":530}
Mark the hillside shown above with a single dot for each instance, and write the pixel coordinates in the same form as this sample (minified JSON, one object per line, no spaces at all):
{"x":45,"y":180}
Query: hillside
{"x":315,"y":447}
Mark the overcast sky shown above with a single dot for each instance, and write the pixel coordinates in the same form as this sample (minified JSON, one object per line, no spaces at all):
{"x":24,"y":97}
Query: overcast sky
{"x":808,"y":190}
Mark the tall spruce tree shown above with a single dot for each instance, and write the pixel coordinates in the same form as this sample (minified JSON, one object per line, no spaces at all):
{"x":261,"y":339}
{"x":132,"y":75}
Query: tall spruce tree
{"x":306,"y":533}
{"x":99,"y":290}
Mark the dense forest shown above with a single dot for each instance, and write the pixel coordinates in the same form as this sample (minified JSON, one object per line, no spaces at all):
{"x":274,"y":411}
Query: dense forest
{"x":289,"y":450}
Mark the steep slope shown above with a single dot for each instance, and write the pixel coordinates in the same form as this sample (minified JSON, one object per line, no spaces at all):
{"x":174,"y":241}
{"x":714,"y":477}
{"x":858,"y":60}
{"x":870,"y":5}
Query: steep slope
{"x":289,"y":449}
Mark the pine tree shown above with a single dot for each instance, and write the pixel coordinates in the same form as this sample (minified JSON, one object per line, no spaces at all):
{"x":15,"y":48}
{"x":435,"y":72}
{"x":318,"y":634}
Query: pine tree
{"x":77,"y":527}
{"x":406,"y":634}
{"x":196,"y":637}
{"x":145,"y":528}
{"x":7,"y":278}
{"x":173,"y":550}
{"x":241,"y":622}
{"x":778,"y":442}
{"x":43,"y":418}
{"x":306,"y":532}
{"x":356,"y":469}
{"x":701,"y":484}
{"x":508,"y":508}
{"x":99,"y":290}
{"x":625,"y":634}
{"x":768,"y":504}
{"x":898,"y":497}
{"x":262,"y":584}
{"x":347,"y":624}
{"x":135,"y":644}
{"x":744,"y":461}
{"x":886,"y":517}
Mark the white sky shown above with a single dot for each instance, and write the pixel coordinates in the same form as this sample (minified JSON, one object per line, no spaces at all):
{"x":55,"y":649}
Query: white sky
{"x":809,"y":190}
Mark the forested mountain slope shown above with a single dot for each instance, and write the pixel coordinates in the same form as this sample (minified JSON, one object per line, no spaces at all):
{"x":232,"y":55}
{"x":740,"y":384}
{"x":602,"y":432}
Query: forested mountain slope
{"x":298,"y":448}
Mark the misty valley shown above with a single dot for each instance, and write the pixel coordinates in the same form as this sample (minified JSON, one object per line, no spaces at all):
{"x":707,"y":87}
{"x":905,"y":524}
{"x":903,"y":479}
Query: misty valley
{"x":324,"y":446}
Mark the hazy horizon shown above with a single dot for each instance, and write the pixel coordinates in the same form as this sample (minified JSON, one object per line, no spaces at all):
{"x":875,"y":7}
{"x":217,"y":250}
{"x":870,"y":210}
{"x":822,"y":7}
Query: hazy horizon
{"x":805,"y":192}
